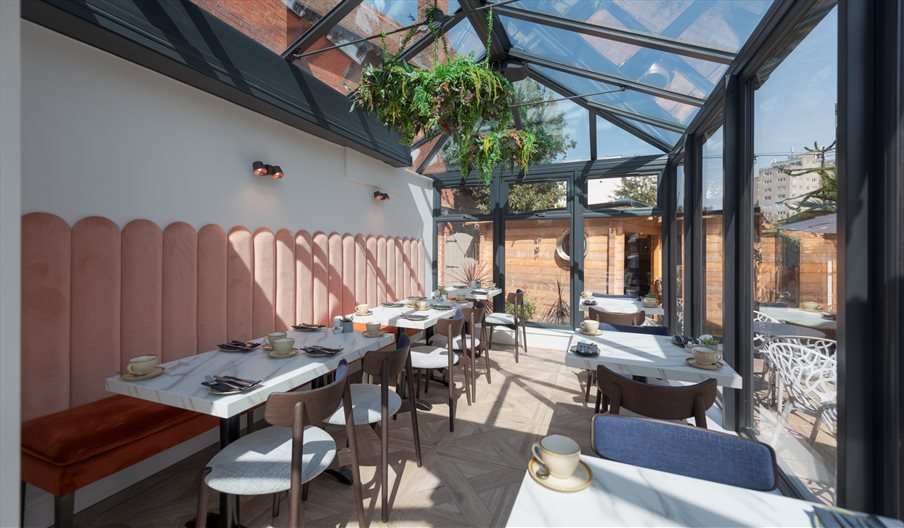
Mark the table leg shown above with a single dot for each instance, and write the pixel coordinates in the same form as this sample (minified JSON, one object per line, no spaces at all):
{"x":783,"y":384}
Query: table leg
{"x":228,"y":516}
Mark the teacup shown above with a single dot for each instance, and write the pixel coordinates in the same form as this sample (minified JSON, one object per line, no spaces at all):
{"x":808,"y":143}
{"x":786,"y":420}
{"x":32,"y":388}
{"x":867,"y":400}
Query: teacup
{"x":706,"y":356}
{"x":282,"y":346}
{"x":412,"y":301}
{"x":361,"y":309}
{"x":373,"y":328}
{"x":141,"y":365}
{"x":271,"y":337}
{"x":586,"y":294}
{"x":422,"y":304}
{"x":559,"y":454}
{"x":590,"y":326}
{"x":810,"y":306}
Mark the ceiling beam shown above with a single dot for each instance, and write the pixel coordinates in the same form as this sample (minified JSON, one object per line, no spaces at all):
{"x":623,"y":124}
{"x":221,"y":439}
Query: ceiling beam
{"x":620,"y":35}
{"x":499,"y":44}
{"x":320,"y":28}
{"x":426,"y":41}
{"x":432,"y":154}
{"x":608,"y":116}
{"x":637,"y":117}
{"x":648,"y":89}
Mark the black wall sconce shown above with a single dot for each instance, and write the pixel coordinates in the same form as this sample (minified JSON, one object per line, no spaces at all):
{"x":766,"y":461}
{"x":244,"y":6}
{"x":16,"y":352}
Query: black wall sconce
{"x":259,"y":168}
{"x":380,"y":196}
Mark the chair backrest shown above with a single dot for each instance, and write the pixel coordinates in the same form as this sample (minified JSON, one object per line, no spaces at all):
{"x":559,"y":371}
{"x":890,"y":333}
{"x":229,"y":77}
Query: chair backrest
{"x":763,"y":318}
{"x":388,"y":362}
{"x":808,"y":374}
{"x":450,"y":328}
{"x":689,"y":451}
{"x":616,"y":318}
{"x":822,"y":344}
{"x":656,"y":401}
{"x":516,"y":299}
{"x":317,"y":404}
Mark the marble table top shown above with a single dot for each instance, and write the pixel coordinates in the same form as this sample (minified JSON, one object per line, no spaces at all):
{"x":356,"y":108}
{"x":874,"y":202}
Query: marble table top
{"x":799,"y":317}
{"x":626,"y":495}
{"x":621,"y":306}
{"x":394,"y":316}
{"x":180,"y":386}
{"x":468,"y":293}
{"x":646,"y":355}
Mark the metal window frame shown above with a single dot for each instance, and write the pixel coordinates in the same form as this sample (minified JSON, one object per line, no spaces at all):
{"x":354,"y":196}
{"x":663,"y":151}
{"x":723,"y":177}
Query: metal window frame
{"x":321,"y":28}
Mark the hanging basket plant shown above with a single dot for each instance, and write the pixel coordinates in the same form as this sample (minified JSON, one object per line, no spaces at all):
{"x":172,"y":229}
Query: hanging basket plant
{"x":453,"y":98}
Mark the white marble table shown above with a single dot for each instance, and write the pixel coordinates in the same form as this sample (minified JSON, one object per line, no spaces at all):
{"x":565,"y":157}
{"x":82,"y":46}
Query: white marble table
{"x":396,"y":316}
{"x":618,"y":305}
{"x":652,"y":356}
{"x":799,"y":317}
{"x":180,"y":386}
{"x":626,"y":495}
{"x":468,"y":293}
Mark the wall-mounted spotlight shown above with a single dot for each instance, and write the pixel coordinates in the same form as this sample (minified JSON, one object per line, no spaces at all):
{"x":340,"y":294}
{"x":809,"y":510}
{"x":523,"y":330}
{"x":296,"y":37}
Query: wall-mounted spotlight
{"x":380,"y":196}
{"x":259,"y":168}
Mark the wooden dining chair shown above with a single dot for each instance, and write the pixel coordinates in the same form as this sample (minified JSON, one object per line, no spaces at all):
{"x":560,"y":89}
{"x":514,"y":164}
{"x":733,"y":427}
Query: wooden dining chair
{"x":654,"y":401}
{"x":514,"y":321}
{"x":427,"y":358}
{"x":617,"y":318}
{"x":374,"y":404}
{"x":290,"y":453}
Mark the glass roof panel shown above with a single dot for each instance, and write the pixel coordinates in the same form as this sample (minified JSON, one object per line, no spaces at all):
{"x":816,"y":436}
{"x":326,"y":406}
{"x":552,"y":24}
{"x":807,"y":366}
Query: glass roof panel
{"x":565,"y":124}
{"x":613,"y":142}
{"x":684,"y":75}
{"x":666,"y":136}
{"x":462,"y":40}
{"x":718,"y":24}
{"x":276,"y":24}
{"x":667,"y":110}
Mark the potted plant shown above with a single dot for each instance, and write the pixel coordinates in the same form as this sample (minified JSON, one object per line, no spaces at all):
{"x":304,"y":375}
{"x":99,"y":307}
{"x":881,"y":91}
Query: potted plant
{"x":347,"y":324}
{"x":650,"y":301}
{"x":710,"y":342}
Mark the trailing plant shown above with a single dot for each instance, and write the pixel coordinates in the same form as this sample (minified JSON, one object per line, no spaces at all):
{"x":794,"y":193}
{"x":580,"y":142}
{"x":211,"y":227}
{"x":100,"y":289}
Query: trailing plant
{"x":708,"y":340}
{"x":453,"y":99}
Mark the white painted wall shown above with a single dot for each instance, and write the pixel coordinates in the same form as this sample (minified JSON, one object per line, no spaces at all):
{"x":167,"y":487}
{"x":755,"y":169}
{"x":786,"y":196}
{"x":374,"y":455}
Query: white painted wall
{"x":104,"y":136}
{"x":10,"y":181}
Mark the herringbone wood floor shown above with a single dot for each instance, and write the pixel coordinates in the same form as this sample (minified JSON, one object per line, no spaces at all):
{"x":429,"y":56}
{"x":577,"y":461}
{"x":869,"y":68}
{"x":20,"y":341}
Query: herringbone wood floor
{"x":469,"y":477}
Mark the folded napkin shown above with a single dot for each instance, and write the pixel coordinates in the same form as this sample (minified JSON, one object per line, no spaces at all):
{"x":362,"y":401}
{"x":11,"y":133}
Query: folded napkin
{"x":415,"y":317}
{"x":444,"y":306}
{"x":316,"y":350}
{"x":238,"y":346}
{"x":479,"y":292}
{"x":230,"y":384}
{"x":301,"y":326}
{"x":393,"y":304}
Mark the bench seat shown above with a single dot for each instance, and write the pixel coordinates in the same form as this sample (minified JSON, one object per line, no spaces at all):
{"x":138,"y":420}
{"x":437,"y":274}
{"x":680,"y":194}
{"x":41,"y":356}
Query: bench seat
{"x":67,"y":450}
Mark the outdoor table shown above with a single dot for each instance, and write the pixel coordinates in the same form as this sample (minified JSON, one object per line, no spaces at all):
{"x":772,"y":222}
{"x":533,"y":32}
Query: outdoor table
{"x":619,"y":305}
{"x":781,"y":329}
{"x":626,"y":495}
{"x":800,"y":317}
{"x":180,"y":385}
{"x":646,"y":355}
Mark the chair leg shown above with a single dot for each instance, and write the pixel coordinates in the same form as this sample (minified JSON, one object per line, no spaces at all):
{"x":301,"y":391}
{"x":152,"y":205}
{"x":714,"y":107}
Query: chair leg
{"x":589,"y":383}
{"x":384,"y":468}
{"x":274,"y":510}
{"x":597,"y":407}
{"x":473,"y":361}
{"x":304,"y":491}
{"x":203,"y":492}
{"x":487,"y":363}
{"x":517,"y":344}
{"x":463,"y":360}
{"x":490,"y":328}
{"x":452,"y":402}
{"x":815,"y":431}
{"x":524,"y":336}
{"x":417,"y":383}
{"x":414,"y":426}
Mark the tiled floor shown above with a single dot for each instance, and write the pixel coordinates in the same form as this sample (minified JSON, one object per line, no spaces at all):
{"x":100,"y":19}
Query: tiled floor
{"x":469,"y":477}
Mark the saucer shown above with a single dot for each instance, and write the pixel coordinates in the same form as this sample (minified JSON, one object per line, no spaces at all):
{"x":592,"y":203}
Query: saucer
{"x":582,"y":478}
{"x":715,"y":366}
{"x":274,"y":355}
{"x":597,"y":333}
{"x":128,"y":376}
{"x":574,"y":350}
{"x":365,"y":334}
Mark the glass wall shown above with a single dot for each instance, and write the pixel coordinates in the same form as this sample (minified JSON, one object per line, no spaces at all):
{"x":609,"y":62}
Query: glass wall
{"x":795,"y":260}
{"x":679,"y":270}
{"x":537,"y":261}
{"x":713,"y":258}
{"x":464,"y":252}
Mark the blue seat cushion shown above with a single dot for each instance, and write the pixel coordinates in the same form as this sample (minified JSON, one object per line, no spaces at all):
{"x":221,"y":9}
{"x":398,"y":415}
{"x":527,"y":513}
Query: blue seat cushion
{"x":685,"y":450}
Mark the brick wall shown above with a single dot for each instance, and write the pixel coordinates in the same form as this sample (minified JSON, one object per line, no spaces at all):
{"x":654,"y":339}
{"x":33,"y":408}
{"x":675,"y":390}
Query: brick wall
{"x":266,"y":21}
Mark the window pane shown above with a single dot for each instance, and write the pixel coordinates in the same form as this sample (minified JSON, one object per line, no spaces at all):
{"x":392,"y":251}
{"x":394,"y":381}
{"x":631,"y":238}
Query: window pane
{"x":796,"y":261}
{"x":462,"y":40}
{"x":545,"y":196}
{"x":721,"y":24}
{"x":712,"y":227}
{"x":607,"y":194}
{"x":613,"y":142}
{"x":679,"y":270}
{"x":624,"y":255}
{"x":537,"y":261}
{"x":563,"y":125}
{"x":465,"y":200}
{"x":464,"y":252}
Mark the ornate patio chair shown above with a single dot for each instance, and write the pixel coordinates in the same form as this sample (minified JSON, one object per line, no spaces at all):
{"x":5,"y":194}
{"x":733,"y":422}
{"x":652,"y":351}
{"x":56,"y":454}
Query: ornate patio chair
{"x":809,"y":376}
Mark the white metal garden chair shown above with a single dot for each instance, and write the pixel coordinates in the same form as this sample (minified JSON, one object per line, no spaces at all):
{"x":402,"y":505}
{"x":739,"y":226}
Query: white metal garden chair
{"x":809,"y":376}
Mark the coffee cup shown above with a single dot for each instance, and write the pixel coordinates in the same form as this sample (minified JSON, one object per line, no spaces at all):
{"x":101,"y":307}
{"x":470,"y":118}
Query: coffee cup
{"x":282,"y":346}
{"x":271,"y":337}
{"x":586,"y":294}
{"x":706,"y":356}
{"x":422,"y":304}
{"x":590,"y":326}
{"x":361,"y":309}
{"x":559,"y":454}
{"x":141,"y":365}
{"x":373,"y":328}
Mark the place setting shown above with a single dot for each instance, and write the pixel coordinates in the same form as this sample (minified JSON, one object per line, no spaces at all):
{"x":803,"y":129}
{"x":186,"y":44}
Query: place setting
{"x":585,"y":349}
{"x":228,"y":385}
{"x":590,"y":327}
{"x":142,"y":368}
{"x":556,"y":464}
{"x":707,"y":354}
{"x":372,"y":330}
{"x":363,"y":310}
{"x":238,"y":346}
{"x":393,"y":305}
{"x":320,"y":351}
{"x":305,"y":327}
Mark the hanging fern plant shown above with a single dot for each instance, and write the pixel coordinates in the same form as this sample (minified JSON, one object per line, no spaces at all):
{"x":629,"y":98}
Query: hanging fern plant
{"x":453,"y":98}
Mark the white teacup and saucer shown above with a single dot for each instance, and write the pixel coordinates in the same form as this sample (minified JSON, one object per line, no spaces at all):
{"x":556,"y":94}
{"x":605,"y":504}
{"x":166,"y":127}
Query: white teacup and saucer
{"x":557,"y":464}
